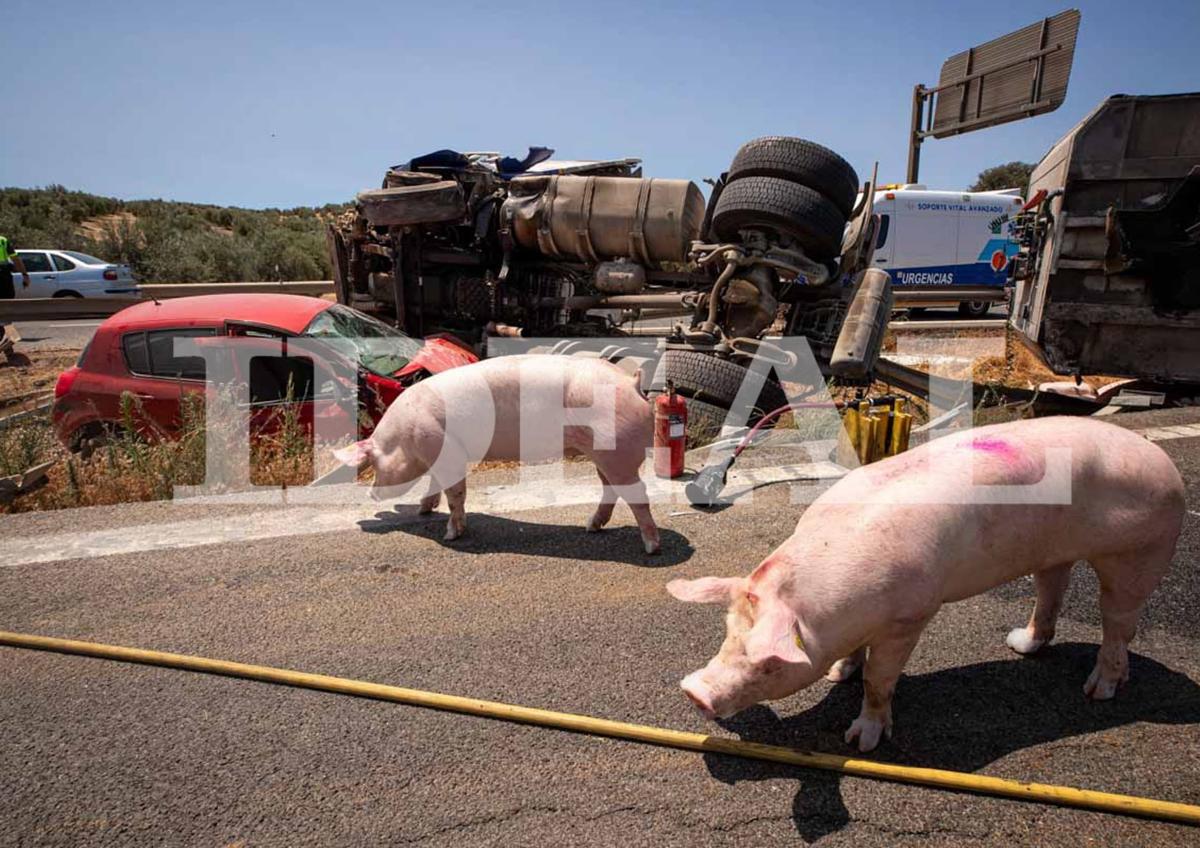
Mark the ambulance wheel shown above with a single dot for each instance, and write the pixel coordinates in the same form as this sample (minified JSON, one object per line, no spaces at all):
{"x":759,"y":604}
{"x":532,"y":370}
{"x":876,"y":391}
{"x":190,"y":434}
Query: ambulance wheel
{"x":715,"y":381}
{"x":799,"y":161}
{"x":789,"y":209}
{"x":974,"y":308}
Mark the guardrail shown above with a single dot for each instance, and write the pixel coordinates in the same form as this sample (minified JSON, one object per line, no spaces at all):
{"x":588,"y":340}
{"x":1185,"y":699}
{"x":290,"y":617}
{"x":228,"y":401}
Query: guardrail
{"x":951,"y":324}
{"x":947,"y":295}
{"x":67,"y":308}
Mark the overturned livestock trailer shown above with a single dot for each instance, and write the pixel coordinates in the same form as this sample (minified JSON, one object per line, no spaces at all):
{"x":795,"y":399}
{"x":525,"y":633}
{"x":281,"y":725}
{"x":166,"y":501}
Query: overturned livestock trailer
{"x":1108,"y":277}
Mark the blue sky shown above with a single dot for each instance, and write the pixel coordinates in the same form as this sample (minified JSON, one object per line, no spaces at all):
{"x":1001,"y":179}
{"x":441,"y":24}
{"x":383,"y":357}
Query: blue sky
{"x":281,"y":104}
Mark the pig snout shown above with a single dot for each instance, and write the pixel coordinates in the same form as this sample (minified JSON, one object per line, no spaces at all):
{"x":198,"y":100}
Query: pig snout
{"x":698,"y":693}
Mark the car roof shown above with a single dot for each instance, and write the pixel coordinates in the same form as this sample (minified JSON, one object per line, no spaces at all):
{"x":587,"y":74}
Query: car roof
{"x":61,"y":250}
{"x":288,"y":312}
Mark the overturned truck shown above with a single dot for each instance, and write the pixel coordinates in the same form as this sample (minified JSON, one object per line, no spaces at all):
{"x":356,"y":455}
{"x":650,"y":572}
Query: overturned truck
{"x":1108,"y":277}
{"x":480,"y":246}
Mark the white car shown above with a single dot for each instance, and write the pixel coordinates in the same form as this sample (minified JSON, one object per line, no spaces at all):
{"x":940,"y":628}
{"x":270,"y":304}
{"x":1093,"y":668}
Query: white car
{"x":68,"y":273}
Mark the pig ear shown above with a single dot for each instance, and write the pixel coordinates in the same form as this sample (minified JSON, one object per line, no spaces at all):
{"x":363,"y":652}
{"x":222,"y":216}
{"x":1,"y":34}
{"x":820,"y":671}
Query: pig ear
{"x":357,"y":453}
{"x":776,"y":636}
{"x":706,"y":590}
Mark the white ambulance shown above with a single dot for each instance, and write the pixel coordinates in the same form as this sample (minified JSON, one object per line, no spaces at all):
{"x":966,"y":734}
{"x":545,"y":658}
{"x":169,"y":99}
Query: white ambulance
{"x":946,"y":248}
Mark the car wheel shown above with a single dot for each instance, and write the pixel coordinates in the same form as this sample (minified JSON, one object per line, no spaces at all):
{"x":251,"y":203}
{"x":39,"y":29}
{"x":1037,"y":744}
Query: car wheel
{"x":67,"y":293}
{"x":715,"y":381}
{"x":799,"y":161}
{"x":787,"y":208}
{"x":974,"y":308}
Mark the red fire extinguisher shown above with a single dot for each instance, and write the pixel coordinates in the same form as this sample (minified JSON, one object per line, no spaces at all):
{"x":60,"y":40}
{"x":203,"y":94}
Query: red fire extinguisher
{"x":670,"y":433}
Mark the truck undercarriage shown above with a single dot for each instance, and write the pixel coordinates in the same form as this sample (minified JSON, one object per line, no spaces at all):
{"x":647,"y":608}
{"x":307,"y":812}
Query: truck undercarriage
{"x":482,"y":246}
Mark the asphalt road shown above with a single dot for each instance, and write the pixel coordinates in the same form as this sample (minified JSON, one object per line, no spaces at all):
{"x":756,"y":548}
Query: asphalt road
{"x":531,"y":610}
{"x":56,"y":335}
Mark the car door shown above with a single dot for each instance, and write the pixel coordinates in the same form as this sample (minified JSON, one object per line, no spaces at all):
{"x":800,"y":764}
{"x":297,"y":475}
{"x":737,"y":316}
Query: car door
{"x":159,"y":379}
{"x":43,"y":278}
{"x":287,"y":386}
{"x":70,"y":277}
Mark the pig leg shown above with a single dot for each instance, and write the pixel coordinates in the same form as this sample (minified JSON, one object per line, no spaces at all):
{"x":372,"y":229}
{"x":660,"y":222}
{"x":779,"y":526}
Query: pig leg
{"x":844,"y":669}
{"x":1126,"y":581}
{"x":608,"y":499}
{"x":430,"y":502}
{"x":885,"y":661}
{"x":456,"y":499}
{"x":633,"y":491}
{"x":1051,"y":584}
{"x":640,"y":507}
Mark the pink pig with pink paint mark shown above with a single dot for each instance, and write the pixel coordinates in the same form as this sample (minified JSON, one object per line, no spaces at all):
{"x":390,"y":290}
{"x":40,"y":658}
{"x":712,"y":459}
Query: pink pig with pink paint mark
{"x":873,"y":559}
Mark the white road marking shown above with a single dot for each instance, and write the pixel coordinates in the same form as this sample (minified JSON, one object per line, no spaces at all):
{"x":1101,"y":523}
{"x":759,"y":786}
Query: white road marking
{"x":1171,"y":431}
{"x":73,"y":326}
{"x":342,"y":507}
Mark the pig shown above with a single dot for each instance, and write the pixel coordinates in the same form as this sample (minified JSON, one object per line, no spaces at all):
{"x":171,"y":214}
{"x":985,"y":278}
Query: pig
{"x":542,"y":407}
{"x":875,"y":556}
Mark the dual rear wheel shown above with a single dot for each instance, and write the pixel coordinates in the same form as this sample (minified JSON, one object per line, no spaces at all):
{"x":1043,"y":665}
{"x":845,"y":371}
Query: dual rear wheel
{"x":791,"y":187}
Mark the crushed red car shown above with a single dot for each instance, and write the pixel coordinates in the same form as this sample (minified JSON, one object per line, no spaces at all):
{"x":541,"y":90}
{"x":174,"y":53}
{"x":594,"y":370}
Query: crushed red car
{"x":134,"y":352}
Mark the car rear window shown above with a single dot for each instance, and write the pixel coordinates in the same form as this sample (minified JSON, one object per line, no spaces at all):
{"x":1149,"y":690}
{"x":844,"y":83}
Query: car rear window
{"x":85,"y":258}
{"x":62,"y":263}
{"x":153,"y":353}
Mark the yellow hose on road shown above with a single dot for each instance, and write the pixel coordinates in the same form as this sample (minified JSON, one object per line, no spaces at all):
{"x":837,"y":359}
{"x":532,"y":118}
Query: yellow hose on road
{"x":959,"y":781}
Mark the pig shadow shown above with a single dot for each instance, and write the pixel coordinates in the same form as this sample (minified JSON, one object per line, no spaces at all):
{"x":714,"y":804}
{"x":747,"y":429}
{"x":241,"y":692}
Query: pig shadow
{"x":960,"y":718}
{"x":495,"y":534}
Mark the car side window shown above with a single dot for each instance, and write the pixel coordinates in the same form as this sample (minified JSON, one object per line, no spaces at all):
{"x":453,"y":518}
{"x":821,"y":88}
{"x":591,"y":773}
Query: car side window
{"x":881,"y":239}
{"x":153,"y":353}
{"x":35,"y":263}
{"x":62,"y":263}
{"x":274,"y":379}
{"x":136,"y":357}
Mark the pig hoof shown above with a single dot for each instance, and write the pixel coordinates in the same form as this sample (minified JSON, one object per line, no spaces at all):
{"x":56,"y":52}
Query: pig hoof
{"x":868,"y":732}
{"x":652,"y":546}
{"x":595,"y":526}
{"x":1100,"y":688}
{"x":1021,"y":641}
{"x":841,"y":671}
{"x":453,"y":533}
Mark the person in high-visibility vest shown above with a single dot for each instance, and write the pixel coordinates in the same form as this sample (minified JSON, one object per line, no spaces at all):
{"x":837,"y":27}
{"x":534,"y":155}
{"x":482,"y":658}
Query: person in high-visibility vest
{"x":8,"y":262}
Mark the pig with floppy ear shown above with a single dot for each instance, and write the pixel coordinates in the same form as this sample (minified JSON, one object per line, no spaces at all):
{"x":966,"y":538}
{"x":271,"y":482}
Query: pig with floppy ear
{"x":763,"y":656}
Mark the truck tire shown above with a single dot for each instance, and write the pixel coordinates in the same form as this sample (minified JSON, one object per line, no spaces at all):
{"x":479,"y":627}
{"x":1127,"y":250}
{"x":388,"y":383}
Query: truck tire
{"x":800,"y":161}
{"x":704,"y":422}
{"x":974,"y":308}
{"x":715,"y":381}
{"x":785,"y":207}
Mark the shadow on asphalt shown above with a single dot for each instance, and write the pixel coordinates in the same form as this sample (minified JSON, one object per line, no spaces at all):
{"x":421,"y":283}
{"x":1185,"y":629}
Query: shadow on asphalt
{"x":496,"y":534}
{"x":960,"y":718}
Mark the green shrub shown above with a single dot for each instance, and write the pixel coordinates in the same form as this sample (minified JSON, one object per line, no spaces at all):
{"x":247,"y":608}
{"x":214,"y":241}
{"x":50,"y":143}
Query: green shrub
{"x":174,"y":242}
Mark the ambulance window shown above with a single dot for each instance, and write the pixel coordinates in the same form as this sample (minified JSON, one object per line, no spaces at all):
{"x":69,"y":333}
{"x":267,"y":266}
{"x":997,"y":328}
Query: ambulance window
{"x":881,"y":239}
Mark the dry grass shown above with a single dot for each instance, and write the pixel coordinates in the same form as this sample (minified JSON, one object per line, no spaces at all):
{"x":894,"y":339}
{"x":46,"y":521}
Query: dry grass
{"x":132,"y":466}
{"x":1020,"y":368}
